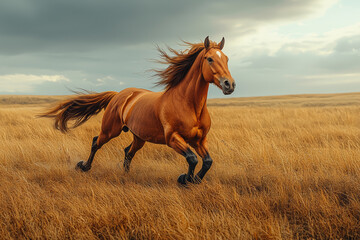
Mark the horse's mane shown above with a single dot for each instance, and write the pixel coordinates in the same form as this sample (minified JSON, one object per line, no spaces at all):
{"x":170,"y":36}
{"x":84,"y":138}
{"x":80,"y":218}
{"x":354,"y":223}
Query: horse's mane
{"x":179,"y":64}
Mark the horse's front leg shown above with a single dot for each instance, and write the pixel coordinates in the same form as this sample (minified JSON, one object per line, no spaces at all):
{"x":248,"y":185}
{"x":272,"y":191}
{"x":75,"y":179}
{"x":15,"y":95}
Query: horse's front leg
{"x":176,"y":142}
{"x":207,"y":162}
{"x":202,"y":149}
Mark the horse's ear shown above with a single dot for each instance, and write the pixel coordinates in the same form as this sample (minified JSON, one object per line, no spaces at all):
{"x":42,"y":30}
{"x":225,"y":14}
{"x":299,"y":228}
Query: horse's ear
{"x":222,"y":43}
{"x":207,"y":42}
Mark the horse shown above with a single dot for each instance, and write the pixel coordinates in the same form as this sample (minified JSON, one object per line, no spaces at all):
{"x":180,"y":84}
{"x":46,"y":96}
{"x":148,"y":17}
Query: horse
{"x":177,"y":116}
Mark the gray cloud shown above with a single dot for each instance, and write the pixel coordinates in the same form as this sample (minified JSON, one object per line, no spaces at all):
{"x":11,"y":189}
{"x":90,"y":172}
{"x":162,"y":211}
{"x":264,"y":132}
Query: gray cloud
{"x":348,"y":45}
{"x":58,"y":26}
{"x":346,"y":56}
{"x":114,"y":40}
{"x":288,"y":72}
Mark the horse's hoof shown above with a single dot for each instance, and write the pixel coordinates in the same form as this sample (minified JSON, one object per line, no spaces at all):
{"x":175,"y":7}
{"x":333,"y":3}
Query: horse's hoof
{"x":182,"y":179}
{"x":80,"y":166}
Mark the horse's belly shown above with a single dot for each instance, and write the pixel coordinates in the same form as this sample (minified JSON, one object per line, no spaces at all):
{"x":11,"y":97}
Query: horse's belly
{"x":144,"y":123}
{"x":147,"y":132}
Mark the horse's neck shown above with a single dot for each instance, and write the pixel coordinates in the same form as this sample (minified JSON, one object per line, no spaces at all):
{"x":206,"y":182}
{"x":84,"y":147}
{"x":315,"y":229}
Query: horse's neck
{"x":194,"y":88}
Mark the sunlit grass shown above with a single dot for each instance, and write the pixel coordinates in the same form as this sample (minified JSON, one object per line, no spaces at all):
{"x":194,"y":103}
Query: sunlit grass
{"x":285,"y":167}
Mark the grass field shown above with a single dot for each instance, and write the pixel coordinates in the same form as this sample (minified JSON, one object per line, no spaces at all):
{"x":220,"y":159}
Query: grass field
{"x":285,"y":167}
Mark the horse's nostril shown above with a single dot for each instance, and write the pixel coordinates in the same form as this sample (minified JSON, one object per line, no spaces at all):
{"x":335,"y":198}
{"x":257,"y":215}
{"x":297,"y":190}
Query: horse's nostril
{"x":227,"y":84}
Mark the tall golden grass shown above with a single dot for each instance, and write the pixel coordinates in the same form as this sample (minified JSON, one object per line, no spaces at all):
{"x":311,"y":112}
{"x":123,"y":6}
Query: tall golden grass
{"x":285,"y":167}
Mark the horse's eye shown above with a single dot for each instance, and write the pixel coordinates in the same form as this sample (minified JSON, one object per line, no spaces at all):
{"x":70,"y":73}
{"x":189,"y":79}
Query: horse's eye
{"x":210,"y":60}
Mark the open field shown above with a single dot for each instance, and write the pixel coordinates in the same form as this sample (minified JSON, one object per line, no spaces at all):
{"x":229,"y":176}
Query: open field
{"x":285,"y":167}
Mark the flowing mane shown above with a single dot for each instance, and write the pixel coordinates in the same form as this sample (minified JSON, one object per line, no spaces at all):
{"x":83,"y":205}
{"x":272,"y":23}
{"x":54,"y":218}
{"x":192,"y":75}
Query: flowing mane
{"x":179,"y":64}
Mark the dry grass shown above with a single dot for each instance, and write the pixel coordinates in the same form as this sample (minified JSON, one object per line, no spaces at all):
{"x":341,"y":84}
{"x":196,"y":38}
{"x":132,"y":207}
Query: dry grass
{"x":285,"y":167}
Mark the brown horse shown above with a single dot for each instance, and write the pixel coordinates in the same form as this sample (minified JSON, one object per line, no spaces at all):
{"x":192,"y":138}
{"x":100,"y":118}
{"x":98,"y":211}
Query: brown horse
{"x":177,"y":117}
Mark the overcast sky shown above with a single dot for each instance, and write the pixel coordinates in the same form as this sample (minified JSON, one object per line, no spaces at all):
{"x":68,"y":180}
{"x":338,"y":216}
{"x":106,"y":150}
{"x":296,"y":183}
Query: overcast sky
{"x":275,"y":46}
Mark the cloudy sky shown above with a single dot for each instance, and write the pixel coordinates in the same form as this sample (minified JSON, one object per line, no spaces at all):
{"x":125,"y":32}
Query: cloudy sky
{"x":275,"y":46}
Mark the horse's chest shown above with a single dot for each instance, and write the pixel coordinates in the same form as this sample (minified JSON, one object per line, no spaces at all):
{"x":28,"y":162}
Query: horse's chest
{"x":190,"y":127}
{"x":196,"y":133}
{"x":193,"y":130}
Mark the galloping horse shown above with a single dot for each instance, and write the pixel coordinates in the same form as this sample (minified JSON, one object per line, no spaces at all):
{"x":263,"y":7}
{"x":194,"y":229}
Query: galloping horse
{"x":177,"y":116}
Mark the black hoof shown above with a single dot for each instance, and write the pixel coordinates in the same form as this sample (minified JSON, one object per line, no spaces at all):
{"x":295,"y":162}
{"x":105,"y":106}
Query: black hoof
{"x":182,"y":179}
{"x":80,"y":166}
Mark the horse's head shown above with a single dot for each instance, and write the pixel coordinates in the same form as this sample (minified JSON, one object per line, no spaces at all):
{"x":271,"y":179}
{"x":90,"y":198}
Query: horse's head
{"x":215,"y":67}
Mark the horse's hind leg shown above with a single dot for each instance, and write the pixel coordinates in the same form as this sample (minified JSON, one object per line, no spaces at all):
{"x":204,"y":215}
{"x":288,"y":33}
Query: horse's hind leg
{"x":130,"y":151}
{"x":111,"y":127}
{"x":87,"y":165}
{"x":97,"y":143}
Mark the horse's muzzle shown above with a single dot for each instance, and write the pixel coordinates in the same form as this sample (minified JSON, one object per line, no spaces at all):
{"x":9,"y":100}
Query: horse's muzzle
{"x":228,"y":86}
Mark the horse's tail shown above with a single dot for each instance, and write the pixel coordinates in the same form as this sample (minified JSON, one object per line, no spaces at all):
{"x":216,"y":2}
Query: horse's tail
{"x":79,"y":108}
